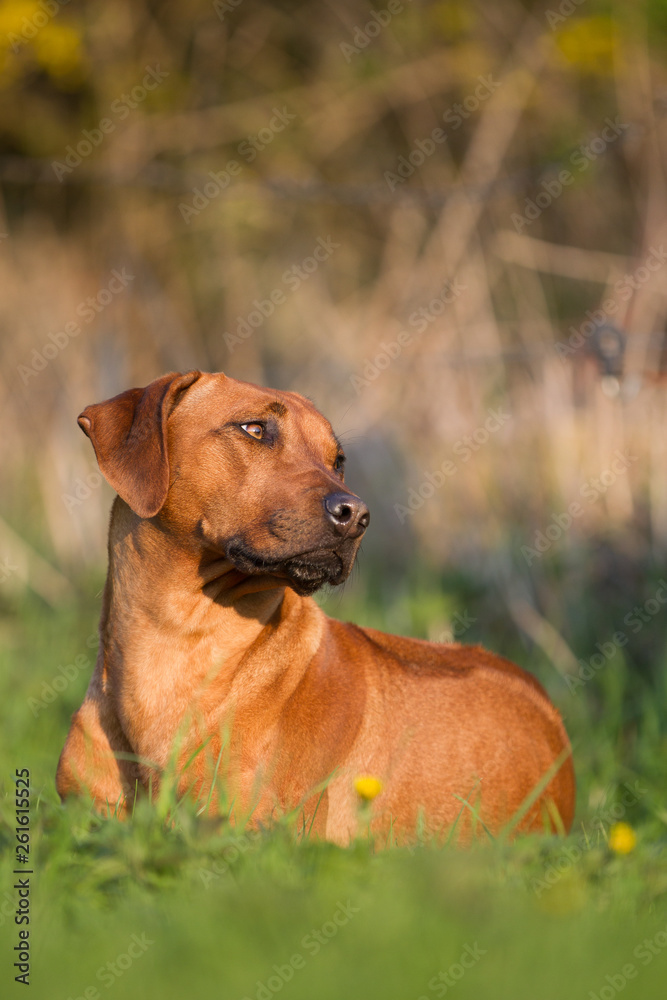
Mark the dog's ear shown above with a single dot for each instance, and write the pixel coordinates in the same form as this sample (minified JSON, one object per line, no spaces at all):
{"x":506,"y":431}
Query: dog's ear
{"x":129,"y":435}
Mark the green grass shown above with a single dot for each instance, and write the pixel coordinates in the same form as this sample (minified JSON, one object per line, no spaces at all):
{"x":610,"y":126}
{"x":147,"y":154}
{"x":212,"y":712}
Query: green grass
{"x":214,"y":910}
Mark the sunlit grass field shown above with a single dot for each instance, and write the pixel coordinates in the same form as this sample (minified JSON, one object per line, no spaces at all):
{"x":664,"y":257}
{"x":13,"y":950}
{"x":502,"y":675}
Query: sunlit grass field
{"x":196,"y":908}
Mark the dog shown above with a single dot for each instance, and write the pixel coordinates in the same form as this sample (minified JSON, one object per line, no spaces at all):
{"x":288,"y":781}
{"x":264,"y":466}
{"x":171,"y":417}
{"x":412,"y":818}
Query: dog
{"x":231,"y":512}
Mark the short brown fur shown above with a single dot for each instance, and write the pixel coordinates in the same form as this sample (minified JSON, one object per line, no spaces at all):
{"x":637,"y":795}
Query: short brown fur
{"x":217,"y":539}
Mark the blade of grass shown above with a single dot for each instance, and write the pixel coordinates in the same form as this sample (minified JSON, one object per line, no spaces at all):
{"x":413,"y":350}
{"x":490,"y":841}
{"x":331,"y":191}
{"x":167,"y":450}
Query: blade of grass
{"x":476,"y":816}
{"x":535,"y":793}
{"x":315,"y":813}
{"x":214,"y":779}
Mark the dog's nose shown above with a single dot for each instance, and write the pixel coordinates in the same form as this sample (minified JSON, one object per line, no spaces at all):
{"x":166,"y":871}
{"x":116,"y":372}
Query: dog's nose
{"x":349,"y":515}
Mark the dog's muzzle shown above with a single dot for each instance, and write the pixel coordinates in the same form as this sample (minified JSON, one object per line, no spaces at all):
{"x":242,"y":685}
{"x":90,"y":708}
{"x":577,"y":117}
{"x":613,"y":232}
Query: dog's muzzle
{"x":306,"y":572}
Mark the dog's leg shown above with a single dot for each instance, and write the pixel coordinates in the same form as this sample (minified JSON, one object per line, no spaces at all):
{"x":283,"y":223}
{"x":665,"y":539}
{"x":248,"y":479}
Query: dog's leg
{"x":88,"y":763}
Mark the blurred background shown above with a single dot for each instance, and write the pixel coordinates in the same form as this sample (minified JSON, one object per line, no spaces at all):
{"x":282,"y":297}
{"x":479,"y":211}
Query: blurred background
{"x":443,"y":221}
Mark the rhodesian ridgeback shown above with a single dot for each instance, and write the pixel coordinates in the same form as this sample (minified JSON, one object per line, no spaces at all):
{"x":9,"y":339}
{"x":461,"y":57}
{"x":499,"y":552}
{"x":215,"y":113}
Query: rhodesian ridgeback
{"x":231,"y":511}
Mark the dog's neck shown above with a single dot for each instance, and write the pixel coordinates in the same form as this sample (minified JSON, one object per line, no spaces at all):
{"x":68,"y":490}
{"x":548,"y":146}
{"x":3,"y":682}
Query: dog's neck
{"x":196,"y":617}
{"x":177,"y":589}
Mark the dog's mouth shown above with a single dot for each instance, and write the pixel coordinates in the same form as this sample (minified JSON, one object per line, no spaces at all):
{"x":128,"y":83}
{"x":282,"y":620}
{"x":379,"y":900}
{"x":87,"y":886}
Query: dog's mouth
{"x":305,"y":571}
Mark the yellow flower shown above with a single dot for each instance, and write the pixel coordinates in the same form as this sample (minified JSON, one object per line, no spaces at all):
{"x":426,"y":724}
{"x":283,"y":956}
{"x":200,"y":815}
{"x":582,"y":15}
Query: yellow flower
{"x":367,"y":787}
{"x":622,"y":838}
{"x":58,"y":50}
{"x":589,"y":43}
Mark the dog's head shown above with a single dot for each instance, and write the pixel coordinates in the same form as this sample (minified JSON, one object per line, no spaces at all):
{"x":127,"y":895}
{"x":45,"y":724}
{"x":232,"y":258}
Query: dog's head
{"x":235,"y":469}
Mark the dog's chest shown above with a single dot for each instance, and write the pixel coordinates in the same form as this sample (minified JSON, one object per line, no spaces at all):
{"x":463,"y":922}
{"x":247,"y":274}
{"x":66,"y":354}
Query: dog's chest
{"x":168,"y":690}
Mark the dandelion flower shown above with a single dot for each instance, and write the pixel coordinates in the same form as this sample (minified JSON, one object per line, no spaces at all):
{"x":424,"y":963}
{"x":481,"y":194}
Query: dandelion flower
{"x":367,"y":787}
{"x":622,"y":838}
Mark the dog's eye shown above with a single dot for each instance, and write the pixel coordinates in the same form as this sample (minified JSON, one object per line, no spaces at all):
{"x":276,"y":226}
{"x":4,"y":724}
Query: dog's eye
{"x":254,"y":430}
{"x":339,"y":464}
